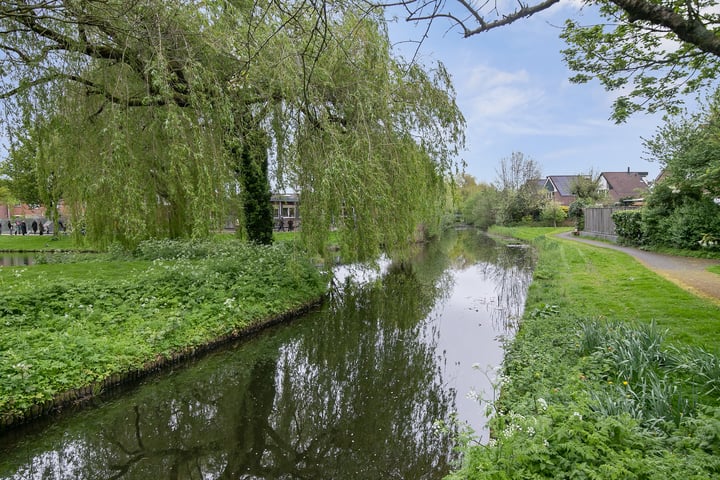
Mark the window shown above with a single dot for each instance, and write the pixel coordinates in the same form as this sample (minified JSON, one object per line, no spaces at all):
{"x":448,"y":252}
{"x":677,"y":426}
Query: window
{"x":288,"y":212}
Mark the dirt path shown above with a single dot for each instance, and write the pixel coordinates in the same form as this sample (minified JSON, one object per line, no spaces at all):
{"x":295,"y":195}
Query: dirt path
{"x":689,"y":273}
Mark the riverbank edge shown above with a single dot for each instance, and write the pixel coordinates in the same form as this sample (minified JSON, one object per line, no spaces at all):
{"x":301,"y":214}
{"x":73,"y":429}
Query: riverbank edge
{"x":84,"y":395}
{"x":542,"y":425}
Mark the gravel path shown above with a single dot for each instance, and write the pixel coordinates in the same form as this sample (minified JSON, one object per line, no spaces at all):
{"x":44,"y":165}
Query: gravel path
{"x":689,"y":273}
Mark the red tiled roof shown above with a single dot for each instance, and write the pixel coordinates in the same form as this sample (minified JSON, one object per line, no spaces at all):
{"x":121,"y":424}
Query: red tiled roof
{"x":625,"y":184}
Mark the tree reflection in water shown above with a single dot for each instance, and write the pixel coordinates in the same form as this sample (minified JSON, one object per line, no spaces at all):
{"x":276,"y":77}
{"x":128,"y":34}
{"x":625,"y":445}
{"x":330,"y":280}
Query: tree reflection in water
{"x":352,"y":391}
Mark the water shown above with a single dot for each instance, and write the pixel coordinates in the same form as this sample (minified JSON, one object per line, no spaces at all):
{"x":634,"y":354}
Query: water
{"x":370,"y":386}
{"x":16,"y":259}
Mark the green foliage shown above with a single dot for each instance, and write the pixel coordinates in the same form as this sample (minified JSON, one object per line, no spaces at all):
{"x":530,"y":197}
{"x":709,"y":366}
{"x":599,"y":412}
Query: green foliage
{"x":144,"y":126}
{"x":628,"y":226}
{"x":480,"y":205}
{"x":255,"y":189}
{"x":680,"y":219}
{"x":21,"y":170}
{"x":577,"y":212}
{"x":643,"y":60}
{"x":681,"y":210}
{"x":587,"y":188}
{"x":64,"y":328}
{"x":553,"y":212}
{"x":520,"y":199}
{"x":586,"y":393}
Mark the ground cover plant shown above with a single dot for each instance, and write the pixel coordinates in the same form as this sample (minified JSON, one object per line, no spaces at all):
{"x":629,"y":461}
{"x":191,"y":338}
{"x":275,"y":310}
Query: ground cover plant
{"x":75,"y":320}
{"x":614,"y":373}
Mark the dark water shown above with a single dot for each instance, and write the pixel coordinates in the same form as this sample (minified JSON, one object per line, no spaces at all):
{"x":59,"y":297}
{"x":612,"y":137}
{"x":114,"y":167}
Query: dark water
{"x":370,"y":386}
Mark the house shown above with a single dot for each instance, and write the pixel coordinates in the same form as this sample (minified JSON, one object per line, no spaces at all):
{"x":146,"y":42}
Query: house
{"x":623,"y":186}
{"x":286,"y":211}
{"x":22,"y":211}
{"x":559,"y":188}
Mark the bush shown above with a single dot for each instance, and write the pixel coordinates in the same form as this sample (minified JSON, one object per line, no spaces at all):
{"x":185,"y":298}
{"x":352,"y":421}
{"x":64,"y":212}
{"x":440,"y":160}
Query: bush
{"x":688,"y":224}
{"x":629,"y":227}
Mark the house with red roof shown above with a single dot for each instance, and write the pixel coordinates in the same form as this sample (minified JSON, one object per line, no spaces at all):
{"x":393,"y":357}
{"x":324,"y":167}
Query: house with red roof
{"x":623,"y":186}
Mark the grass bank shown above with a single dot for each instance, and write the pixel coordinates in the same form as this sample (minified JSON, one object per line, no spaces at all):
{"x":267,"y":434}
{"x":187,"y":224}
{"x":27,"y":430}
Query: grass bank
{"x":613,"y":374}
{"x":80,"y":323}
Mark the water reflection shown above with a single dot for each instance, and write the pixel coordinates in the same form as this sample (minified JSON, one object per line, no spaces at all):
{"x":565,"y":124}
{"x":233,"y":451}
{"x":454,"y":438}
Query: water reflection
{"x":354,"y":390}
{"x":16,"y":259}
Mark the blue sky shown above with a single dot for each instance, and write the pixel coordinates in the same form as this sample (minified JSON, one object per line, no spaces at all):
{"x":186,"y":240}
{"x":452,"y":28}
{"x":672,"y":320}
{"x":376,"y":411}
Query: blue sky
{"x":513,"y":89}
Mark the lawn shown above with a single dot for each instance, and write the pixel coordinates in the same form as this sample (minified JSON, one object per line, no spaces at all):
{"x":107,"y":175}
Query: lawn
{"x":35,"y":243}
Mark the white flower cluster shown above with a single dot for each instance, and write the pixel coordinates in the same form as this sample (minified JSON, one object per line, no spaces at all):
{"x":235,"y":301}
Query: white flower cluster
{"x":708,"y":240}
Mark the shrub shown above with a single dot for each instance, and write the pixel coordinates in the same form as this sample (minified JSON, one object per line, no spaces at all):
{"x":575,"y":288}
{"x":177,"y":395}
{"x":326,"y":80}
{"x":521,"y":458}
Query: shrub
{"x":628,"y":226}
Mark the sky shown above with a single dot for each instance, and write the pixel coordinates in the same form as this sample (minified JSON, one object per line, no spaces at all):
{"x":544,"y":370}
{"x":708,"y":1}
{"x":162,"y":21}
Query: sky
{"x":513,"y":89}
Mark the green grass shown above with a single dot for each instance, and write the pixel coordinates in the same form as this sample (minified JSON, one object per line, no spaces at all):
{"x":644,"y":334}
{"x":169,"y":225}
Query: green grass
{"x":40,"y":274}
{"x":34,"y":243}
{"x":592,"y":282}
{"x":614,"y":373}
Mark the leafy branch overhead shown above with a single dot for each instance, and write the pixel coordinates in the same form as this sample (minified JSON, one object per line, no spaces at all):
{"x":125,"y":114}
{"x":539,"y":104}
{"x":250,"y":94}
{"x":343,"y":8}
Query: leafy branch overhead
{"x":652,"y":51}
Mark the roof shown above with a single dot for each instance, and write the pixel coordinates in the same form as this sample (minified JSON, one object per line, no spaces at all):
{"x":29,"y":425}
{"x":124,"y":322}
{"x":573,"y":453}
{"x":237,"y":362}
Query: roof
{"x":625,"y":184}
{"x":285,"y":197}
{"x":562,"y":184}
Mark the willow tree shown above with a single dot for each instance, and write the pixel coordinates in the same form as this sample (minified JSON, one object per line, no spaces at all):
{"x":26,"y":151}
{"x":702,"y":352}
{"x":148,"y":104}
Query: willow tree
{"x":131,"y":89}
{"x":158,"y":104}
{"x":367,"y":139}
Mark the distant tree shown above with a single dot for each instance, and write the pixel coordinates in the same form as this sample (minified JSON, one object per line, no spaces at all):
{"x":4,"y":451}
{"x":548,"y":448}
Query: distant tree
{"x":21,"y":169}
{"x":516,"y":171}
{"x":553,"y":212}
{"x":32,"y":175}
{"x":480,"y":207}
{"x":519,"y":196}
{"x":586,"y":187}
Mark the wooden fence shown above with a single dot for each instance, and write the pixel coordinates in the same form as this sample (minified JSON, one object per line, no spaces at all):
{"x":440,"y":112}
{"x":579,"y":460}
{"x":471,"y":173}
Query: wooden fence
{"x":599,"y":222}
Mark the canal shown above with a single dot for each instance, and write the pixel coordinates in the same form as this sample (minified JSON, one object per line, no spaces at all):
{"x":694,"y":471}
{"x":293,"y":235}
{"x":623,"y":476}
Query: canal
{"x":375,"y":384}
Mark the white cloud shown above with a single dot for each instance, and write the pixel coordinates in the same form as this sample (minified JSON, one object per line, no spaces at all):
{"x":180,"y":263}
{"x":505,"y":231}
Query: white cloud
{"x":482,"y":76}
{"x":491,"y":94}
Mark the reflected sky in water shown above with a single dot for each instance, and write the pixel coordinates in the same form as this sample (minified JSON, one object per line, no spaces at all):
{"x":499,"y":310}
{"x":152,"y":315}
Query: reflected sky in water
{"x":354,"y":390}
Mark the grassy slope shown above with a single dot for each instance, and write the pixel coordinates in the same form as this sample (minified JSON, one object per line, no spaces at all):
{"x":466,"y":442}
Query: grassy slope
{"x":560,"y":413}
